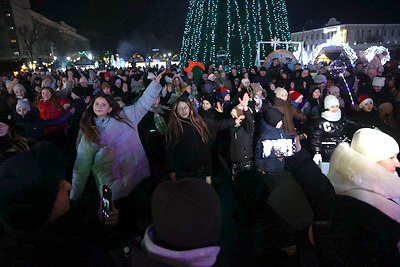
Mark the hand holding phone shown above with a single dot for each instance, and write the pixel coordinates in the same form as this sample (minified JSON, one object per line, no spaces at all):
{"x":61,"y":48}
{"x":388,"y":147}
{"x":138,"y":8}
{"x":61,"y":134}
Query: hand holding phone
{"x":106,"y":202}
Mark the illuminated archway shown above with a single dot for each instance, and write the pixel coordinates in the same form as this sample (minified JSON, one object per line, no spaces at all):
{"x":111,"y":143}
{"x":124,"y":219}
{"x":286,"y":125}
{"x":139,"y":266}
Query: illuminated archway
{"x":332,"y":43}
{"x":373,"y":50}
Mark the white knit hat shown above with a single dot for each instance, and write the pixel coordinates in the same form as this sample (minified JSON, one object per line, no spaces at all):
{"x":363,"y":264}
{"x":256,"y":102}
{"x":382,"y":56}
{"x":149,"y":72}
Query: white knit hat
{"x":280,"y":92}
{"x":374,"y":144}
{"x":379,"y":81}
{"x":19,"y":87}
{"x":330,"y":101}
{"x":23,"y":103}
{"x":245,"y":80}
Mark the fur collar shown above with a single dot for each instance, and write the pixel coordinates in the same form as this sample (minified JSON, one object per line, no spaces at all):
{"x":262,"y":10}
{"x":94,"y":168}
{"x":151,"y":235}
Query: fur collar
{"x":351,"y":170}
{"x":354,"y":175}
{"x":330,"y":116}
{"x":201,"y":257}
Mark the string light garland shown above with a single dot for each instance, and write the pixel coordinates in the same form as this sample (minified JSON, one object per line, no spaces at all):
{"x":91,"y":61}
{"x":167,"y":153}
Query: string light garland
{"x":332,"y":43}
{"x":232,"y":25}
{"x":373,"y":50}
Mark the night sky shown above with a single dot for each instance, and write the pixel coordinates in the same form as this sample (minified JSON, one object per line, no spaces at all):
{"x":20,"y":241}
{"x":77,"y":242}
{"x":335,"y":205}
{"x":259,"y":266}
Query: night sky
{"x":137,"y":25}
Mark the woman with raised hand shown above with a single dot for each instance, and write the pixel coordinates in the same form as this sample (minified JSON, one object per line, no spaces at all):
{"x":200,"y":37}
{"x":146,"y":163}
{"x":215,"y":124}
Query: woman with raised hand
{"x":110,"y":145}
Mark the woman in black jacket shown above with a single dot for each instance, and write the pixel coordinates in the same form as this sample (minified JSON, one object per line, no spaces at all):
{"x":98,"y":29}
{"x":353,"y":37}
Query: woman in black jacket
{"x":241,"y":138}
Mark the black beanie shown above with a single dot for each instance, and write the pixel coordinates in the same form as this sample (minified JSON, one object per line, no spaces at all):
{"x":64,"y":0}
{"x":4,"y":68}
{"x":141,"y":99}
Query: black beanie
{"x":273,"y":116}
{"x":209,"y":98}
{"x":186,"y":214}
{"x":78,"y":91}
{"x":29,"y":186}
{"x":5,"y":117}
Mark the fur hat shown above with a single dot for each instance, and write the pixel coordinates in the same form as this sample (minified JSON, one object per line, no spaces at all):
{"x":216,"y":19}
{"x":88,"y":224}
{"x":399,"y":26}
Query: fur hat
{"x":333,"y":89}
{"x":19,"y":87}
{"x":186,"y":213}
{"x":23,"y":103}
{"x":379,"y":81}
{"x":374,"y":144}
{"x":273,"y":116}
{"x":330,"y":101}
{"x":363,"y":100}
{"x":386,"y":107}
{"x":321,"y":79}
{"x":245,"y":80}
{"x":294,"y":96}
{"x":280,"y":92}
{"x":256,"y":88}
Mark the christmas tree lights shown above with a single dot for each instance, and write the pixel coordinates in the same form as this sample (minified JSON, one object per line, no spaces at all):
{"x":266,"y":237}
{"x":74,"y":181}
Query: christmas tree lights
{"x":232,"y":25}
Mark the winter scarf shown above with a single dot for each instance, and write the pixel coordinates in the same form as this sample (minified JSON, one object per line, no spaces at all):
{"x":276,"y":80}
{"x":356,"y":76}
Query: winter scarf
{"x":355,"y":175}
{"x":330,"y":116}
{"x":201,"y":257}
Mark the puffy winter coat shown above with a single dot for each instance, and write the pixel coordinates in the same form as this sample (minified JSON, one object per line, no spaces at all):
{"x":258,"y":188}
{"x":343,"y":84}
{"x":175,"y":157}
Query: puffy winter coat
{"x":361,"y":226}
{"x":290,"y":112}
{"x":327,"y":135}
{"x":49,"y":110}
{"x":119,"y":161}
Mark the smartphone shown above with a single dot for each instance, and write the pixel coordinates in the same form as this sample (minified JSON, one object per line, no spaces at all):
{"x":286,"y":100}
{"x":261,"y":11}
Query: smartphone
{"x":106,"y":199}
{"x":277,"y":148}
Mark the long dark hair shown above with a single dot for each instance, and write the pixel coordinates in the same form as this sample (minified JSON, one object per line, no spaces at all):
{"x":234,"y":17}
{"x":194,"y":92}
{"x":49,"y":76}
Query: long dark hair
{"x":175,"y":129}
{"x":88,"y":125}
{"x":54,"y":98}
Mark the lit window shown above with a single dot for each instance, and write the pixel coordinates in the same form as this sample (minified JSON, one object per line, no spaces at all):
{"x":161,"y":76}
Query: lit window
{"x":11,"y":28}
{"x":16,"y":53}
{"x":8,"y":15}
{"x":13,"y":41}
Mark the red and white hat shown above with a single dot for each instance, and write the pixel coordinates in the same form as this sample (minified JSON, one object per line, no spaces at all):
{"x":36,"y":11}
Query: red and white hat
{"x":295,"y":96}
{"x":363,"y":100}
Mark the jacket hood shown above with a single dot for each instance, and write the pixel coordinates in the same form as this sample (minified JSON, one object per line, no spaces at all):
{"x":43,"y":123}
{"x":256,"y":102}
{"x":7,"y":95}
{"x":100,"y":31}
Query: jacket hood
{"x":351,"y":170}
{"x":201,"y":257}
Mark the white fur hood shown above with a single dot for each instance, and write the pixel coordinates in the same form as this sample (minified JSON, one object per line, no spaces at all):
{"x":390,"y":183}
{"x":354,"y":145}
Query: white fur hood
{"x":351,"y":170}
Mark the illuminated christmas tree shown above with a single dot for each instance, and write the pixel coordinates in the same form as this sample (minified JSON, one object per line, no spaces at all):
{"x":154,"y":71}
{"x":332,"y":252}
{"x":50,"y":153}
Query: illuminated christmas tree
{"x":234,"y":26}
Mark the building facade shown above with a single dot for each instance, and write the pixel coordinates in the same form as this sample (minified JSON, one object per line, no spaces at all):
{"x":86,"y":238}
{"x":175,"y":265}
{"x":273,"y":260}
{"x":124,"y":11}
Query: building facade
{"x":28,"y":36}
{"x":358,"y":36}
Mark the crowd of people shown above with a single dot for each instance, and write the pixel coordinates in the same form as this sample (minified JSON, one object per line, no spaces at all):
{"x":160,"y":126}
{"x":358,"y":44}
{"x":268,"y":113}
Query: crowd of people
{"x":246,"y":167}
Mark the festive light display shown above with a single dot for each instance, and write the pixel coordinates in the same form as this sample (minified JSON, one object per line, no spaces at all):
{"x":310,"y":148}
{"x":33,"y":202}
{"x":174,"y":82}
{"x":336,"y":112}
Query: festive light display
{"x":373,"y":50}
{"x":332,"y":43}
{"x":231,"y":25}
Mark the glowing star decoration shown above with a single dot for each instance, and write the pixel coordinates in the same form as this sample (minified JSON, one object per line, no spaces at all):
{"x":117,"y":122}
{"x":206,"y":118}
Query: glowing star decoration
{"x":332,"y":43}
{"x":338,"y":68}
{"x":373,"y":50}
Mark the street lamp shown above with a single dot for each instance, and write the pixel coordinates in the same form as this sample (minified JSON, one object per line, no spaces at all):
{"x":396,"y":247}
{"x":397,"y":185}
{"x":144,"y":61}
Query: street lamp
{"x":165,"y":55}
{"x":169,"y":54}
{"x":68,"y":58}
{"x":55,"y":58}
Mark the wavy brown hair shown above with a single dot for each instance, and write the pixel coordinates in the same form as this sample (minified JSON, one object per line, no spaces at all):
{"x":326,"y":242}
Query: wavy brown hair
{"x":174,"y":127}
{"x":54,"y":98}
{"x":88,"y":125}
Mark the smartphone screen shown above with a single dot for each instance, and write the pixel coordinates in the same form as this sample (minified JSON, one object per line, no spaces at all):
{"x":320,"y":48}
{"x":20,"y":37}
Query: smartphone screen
{"x":277,"y":148}
{"x":106,"y":199}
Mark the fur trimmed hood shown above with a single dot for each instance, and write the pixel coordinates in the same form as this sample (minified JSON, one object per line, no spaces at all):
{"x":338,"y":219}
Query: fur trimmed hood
{"x":351,"y":170}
